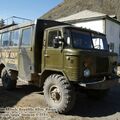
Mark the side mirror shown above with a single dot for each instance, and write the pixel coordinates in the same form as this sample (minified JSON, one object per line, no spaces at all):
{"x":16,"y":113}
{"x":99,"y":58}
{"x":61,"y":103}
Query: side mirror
{"x":57,"y":42}
{"x":110,"y":50}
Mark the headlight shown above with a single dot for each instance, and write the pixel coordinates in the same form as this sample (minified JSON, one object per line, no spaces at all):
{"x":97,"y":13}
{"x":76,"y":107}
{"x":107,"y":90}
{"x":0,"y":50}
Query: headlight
{"x":86,"y":72}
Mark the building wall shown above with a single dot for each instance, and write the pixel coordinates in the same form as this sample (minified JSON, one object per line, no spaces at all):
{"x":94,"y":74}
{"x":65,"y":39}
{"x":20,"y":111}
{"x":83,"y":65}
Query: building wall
{"x":96,"y":25}
{"x":113,"y":35}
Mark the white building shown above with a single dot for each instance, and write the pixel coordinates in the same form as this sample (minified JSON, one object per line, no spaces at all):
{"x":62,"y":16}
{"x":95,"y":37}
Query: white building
{"x":99,"y":22}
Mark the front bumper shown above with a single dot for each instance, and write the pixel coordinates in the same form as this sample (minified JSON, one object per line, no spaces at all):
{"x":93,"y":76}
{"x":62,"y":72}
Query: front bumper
{"x":101,"y":85}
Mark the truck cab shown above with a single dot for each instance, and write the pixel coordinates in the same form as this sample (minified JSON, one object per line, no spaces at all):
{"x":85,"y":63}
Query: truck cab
{"x":81,"y":55}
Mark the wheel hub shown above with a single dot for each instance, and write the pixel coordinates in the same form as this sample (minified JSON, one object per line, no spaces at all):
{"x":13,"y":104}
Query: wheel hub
{"x":55,"y":94}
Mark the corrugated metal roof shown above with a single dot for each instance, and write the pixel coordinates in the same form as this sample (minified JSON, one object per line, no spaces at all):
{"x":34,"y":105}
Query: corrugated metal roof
{"x":82,"y":15}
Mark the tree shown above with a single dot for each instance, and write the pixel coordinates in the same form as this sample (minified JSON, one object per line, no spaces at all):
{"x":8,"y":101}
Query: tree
{"x":2,"y":23}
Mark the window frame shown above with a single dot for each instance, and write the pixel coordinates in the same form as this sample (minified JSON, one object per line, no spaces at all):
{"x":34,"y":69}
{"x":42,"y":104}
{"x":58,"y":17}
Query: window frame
{"x":18,"y":38}
{"x":8,"y":39}
{"x":103,"y":38}
{"x":48,"y":31}
{"x":21,"y":40}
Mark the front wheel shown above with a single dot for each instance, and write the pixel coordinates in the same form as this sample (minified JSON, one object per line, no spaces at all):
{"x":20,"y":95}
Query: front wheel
{"x":59,"y":93}
{"x":7,"y":81}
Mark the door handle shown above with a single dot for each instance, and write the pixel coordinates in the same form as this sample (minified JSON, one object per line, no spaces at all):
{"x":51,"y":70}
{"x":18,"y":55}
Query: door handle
{"x":46,"y":55}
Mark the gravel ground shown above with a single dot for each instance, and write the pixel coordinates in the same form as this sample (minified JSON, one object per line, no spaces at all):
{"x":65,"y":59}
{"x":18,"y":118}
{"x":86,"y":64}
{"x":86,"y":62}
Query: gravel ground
{"x":26,"y":100}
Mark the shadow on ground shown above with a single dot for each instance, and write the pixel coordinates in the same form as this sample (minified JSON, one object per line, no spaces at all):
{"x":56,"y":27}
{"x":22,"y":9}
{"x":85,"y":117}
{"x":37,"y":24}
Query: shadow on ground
{"x":11,"y":98}
{"x":85,"y":107}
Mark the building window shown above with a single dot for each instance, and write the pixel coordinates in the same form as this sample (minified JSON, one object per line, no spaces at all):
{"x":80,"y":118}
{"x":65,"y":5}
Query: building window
{"x":5,"y":39}
{"x":14,"y":38}
{"x":26,"y":37}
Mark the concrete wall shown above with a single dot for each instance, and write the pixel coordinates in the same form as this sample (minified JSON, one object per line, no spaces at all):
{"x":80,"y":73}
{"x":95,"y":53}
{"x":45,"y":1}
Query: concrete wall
{"x":113,"y":35}
{"x":97,"y":25}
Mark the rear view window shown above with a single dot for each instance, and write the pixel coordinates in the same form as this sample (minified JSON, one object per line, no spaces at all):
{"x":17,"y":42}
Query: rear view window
{"x":26,"y":37}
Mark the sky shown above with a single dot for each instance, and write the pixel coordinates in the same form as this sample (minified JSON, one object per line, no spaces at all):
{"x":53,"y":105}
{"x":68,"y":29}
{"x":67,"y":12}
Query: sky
{"x":30,"y":9}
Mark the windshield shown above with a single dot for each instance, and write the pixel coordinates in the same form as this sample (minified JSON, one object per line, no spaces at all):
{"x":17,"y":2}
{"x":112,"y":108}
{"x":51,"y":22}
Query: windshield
{"x":81,"y":39}
{"x":86,"y":40}
{"x":99,"y":42}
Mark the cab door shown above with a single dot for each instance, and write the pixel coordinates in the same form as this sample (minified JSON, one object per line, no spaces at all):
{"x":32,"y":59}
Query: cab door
{"x":25,"y":54}
{"x":53,"y":56}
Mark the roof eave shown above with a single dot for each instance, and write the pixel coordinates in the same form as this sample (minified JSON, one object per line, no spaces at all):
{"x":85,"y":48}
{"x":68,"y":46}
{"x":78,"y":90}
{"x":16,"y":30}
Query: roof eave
{"x":91,"y":19}
{"x":85,"y":19}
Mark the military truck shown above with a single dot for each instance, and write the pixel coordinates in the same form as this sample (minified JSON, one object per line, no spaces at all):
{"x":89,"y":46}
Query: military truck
{"x":58,"y":57}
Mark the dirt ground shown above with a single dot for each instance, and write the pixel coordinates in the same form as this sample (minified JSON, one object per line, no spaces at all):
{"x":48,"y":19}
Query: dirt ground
{"x":27,"y":103}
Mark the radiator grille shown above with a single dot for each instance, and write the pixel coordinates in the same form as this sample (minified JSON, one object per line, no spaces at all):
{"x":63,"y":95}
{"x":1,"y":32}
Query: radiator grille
{"x":102,"y":65}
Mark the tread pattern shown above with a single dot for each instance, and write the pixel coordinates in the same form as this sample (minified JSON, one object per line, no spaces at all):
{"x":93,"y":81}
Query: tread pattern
{"x":8,"y":84}
{"x":68,"y":95}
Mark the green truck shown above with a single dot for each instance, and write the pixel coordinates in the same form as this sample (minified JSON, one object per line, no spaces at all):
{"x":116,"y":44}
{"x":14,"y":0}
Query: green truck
{"x":59,"y":57}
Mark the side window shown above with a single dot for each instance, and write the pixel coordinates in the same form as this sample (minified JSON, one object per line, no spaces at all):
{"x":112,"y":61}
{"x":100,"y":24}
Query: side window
{"x":52,"y":35}
{"x":5,"y":39}
{"x":14,"y":41}
{"x":26,"y":37}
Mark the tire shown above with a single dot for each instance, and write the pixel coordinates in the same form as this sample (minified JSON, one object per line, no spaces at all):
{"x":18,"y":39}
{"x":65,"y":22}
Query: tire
{"x":59,"y":93}
{"x":97,"y":94}
{"x":7,"y":81}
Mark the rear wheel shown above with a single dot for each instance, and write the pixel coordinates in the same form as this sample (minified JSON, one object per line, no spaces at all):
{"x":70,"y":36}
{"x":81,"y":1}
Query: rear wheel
{"x":8,"y":79}
{"x":59,"y":93}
